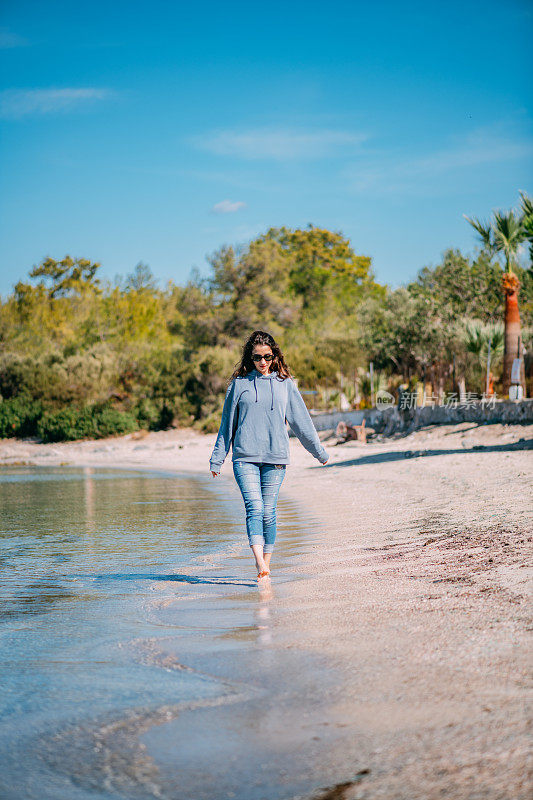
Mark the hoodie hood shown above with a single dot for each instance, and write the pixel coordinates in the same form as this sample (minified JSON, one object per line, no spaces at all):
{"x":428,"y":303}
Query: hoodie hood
{"x":259,"y":376}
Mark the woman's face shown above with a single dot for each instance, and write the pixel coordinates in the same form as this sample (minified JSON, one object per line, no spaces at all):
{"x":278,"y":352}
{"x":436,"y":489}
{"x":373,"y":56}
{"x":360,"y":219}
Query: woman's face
{"x":262,"y":350}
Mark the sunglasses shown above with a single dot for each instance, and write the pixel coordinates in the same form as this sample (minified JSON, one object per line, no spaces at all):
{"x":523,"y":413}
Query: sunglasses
{"x":268,"y":357}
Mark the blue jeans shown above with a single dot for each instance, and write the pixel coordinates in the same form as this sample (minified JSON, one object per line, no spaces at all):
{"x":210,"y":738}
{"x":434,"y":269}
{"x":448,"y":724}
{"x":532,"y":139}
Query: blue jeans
{"x":259,"y":485}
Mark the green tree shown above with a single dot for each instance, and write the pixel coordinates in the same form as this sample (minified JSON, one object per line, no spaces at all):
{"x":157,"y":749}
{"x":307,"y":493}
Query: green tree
{"x":505,"y":234}
{"x":319,"y":259}
{"x":250,"y":290}
{"x":66,"y":277}
{"x":141,"y":278}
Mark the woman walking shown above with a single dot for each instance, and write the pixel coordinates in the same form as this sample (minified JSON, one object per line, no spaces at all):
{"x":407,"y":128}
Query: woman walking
{"x":261,"y":397}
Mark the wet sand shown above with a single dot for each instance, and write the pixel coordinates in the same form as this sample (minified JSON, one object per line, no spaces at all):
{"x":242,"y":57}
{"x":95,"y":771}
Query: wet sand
{"x":415,"y":595}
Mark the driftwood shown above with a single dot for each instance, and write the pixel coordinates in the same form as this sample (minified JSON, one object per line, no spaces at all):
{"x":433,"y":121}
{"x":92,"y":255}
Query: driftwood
{"x":346,"y":432}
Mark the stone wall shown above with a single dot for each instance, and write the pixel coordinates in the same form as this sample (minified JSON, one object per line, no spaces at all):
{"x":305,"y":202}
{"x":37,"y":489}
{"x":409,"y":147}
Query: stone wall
{"x":391,"y":419}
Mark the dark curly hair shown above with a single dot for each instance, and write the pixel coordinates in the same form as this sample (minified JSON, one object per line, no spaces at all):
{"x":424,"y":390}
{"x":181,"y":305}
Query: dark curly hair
{"x":246,"y":364}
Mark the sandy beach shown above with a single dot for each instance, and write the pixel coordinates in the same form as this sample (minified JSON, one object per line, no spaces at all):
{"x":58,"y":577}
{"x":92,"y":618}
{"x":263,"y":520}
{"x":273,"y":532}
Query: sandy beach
{"x":417,"y":590}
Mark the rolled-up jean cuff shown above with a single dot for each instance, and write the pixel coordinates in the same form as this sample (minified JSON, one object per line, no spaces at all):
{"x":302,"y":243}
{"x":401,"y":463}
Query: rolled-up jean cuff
{"x":268,"y":549}
{"x":256,"y":538}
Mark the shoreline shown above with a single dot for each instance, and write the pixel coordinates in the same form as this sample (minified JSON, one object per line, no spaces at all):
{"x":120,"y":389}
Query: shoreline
{"x":418,"y":590}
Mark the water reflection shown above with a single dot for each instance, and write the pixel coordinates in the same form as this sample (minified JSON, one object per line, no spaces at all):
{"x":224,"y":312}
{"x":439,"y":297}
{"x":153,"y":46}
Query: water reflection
{"x":127,"y":597}
{"x":89,"y":498}
{"x":219,"y":580}
{"x":263,"y":618}
{"x":84,"y":518}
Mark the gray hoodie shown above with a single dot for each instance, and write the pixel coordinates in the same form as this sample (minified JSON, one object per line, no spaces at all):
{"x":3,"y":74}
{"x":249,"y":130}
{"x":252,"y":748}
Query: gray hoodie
{"x":255,"y":411}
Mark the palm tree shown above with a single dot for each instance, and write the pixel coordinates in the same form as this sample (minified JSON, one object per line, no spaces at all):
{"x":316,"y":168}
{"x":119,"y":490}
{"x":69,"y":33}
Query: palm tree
{"x":527,"y":220}
{"x":486,"y":342}
{"x":504,"y":234}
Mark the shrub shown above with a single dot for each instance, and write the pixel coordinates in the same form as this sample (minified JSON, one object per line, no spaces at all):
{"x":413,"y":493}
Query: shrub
{"x":19,"y":417}
{"x":210,"y":424}
{"x":112,"y":422}
{"x":67,"y":424}
{"x":147,"y":413}
{"x":93,"y":422}
{"x":154,"y":415}
{"x":52,"y":376}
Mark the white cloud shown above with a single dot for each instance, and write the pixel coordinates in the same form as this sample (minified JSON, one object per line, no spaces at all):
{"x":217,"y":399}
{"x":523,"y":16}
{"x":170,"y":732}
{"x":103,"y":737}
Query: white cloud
{"x":277,"y":143}
{"x":8,"y":39}
{"x":16,"y":103}
{"x":228,"y":207}
{"x":391,"y":173}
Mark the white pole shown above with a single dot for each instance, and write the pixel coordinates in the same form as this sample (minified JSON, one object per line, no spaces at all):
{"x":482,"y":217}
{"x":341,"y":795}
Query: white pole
{"x":488,"y":369}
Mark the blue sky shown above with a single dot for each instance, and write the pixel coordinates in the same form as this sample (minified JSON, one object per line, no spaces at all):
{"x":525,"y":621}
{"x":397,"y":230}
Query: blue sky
{"x":158,"y":132}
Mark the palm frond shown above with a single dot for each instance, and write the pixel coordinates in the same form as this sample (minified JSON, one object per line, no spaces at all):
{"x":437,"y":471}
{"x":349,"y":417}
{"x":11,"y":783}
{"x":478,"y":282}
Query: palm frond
{"x":527,"y":220}
{"x":485,"y":231}
{"x":476,"y":337}
{"x":508,"y":227}
{"x":509,"y":233}
{"x":497,"y":338}
{"x":527,"y":204}
{"x":473,"y":336}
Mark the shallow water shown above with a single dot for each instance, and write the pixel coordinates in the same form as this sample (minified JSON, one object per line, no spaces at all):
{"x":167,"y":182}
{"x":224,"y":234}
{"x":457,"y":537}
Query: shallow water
{"x":139,"y":659}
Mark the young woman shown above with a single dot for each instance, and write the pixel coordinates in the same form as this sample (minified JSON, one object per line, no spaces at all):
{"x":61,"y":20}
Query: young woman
{"x":261,"y":398}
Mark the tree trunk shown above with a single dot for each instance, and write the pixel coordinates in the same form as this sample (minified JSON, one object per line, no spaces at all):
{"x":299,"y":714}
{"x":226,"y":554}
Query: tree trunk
{"x":510,"y":285}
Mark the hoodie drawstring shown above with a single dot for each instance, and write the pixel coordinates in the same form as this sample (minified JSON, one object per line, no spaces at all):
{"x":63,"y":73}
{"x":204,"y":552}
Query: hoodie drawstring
{"x":271,"y":392}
